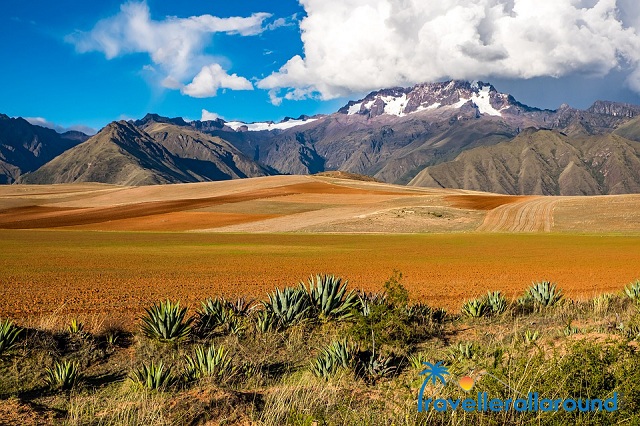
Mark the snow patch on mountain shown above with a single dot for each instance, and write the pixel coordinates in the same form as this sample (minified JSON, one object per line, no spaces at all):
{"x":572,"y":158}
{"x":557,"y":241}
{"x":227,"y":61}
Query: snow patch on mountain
{"x":268,"y":125}
{"x":483,"y":101}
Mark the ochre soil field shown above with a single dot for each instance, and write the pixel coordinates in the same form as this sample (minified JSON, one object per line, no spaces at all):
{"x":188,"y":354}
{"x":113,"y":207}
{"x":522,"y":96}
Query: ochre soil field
{"x":307,"y":204}
{"x":116,"y":274}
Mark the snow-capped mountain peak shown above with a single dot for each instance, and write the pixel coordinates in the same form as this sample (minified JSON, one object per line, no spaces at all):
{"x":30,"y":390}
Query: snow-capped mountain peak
{"x":400,"y":101}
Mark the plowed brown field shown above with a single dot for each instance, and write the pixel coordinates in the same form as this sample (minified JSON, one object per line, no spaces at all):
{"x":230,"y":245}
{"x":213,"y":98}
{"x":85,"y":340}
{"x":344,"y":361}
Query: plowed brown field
{"x":249,"y":236}
{"x":79,"y":273}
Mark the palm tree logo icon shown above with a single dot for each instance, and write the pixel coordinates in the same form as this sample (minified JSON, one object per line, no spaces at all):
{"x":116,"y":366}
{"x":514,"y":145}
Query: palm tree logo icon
{"x":434,"y":373}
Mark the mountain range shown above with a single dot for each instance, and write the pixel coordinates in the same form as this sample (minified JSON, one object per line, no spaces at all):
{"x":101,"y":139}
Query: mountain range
{"x":453,"y":134}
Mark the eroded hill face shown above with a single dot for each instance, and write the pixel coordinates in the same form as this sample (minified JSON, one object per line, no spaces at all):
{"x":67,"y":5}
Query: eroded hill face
{"x":124,"y":154}
{"x":543,"y":162}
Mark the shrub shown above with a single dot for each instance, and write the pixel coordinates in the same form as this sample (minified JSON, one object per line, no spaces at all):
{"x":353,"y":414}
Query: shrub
{"x":153,"y":376}
{"x":166,"y":322}
{"x":288,"y":306}
{"x":212,"y":362}
{"x":329,"y":298}
{"x":397,"y":294}
{"x":334,"y":356}
{"x":542,"y":294}
{"x":63,"y":375}
{"x":633,"y":290}
{"x":9,"y":334}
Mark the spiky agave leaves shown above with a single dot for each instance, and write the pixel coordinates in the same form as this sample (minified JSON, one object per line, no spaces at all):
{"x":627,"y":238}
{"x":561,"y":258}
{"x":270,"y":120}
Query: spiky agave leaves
{"x":288,"y":306}
{"x":475,"y":308}
{"x":153,"y":376}
{"x":63,"y":375}
{"x":632,"y":290}
{"x":543,"y":294}
{"x":496,"y":302}
{"x":166,"y":322}
{"x":336,"y":355}
{"x":329,"y":297}
{"x":9,"y":334}
{"x":213,"y":362}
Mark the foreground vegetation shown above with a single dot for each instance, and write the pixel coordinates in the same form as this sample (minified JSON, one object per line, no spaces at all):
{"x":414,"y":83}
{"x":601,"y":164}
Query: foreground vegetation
{"x":320,"y":353}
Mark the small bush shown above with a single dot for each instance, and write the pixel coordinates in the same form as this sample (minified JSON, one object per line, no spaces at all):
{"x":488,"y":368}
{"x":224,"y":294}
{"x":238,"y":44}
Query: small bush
{"x":63,"y":375}
{"x":166,"y":322}
{"x":9,"y":334}
{"x":213,"y":362}
{"x":153,"y":376}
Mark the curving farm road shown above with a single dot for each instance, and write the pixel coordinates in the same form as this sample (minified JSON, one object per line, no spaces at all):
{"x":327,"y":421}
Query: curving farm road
{"x":534,"y":214}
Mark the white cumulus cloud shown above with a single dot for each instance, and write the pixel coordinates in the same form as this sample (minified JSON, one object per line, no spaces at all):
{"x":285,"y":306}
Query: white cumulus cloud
{"x":213,"y":77}
{"x":353,"y":46}
{"x":174,"y":44}
{"x":206,"y":115}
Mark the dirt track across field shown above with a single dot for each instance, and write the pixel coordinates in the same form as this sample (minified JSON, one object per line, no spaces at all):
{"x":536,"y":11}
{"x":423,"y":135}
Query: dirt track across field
{"x":530,"y":215}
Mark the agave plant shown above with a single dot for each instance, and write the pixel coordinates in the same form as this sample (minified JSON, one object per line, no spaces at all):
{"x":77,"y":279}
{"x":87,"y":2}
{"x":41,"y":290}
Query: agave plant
{"x":63,"y":375}
{"x":9,"y":334}
{"x":153,"y":376}
{"x":633,"y":290}
{"x":242,"y":307}
{"x":463,"y":351}
{"x":374,"y":366}
{"x":475,"y":308}
{"x":75,"y":327}
{"x":368,"y":300}
{"x":211,"y":362}
{"x":544,"y":294}
{"x":265,"y":321}
{"x":530,"y":337}
{"x":329,"y":297}
{"x":336,"y":355}
{"x":496,"y":302}
{"x":166,"y":322}
{"x":213,"y":314}
{"x":288,"y":306}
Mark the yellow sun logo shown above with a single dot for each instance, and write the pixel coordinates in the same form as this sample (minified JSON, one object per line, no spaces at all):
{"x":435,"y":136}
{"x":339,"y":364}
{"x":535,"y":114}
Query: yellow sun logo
{"x":466,"y":383}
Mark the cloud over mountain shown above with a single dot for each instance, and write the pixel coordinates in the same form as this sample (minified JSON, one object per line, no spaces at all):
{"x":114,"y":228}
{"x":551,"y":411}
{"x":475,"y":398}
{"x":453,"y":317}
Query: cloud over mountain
{"x":384,"y":43}
{"x":176,"y":45}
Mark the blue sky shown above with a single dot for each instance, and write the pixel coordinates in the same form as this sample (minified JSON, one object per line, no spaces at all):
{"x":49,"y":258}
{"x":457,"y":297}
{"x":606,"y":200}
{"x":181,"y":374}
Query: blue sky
{"x":87,"y":63}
